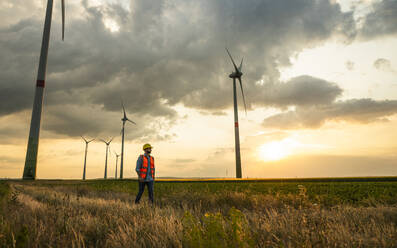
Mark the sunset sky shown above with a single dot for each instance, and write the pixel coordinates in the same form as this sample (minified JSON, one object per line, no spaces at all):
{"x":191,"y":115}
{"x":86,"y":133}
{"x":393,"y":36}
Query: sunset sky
{"x":320,"y":81}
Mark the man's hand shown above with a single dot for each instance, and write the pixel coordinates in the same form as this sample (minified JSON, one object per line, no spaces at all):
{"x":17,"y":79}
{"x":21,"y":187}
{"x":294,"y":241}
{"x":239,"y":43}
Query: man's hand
{"x":139,"y":178}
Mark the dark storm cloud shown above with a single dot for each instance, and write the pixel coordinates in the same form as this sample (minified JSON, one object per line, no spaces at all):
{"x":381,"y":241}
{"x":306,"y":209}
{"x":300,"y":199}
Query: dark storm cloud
{"x":166,"y":53}
{"x":382,"y":21}
{"x":92,"y":121}
{"x":16,"y":60}
{"x":354,"y":110}
{"x":300,"y":91}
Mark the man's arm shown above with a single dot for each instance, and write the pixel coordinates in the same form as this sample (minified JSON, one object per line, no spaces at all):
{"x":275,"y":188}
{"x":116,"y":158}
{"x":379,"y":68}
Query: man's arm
{"x":154,"y":169}
{"x":138,"y":165}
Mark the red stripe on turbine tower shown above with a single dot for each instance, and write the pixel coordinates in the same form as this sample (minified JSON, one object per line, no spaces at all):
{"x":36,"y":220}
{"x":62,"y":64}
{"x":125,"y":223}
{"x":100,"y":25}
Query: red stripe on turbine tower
{"x":40,"y":83}
{"x":236,"y":124}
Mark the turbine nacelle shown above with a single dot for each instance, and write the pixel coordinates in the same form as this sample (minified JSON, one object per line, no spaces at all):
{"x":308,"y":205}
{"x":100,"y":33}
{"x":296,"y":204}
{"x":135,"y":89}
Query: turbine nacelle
{"x":86,"y":141}
{"x":107,"y":142}
{"x":236,"y":74}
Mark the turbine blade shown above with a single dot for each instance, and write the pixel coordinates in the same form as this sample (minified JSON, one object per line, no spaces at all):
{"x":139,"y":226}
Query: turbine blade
{"x":131,"y":121}
{"x":241,"y":65}
{"x":122,"y":104}
{"x":242,"y":92}
{"x":91,"y":140}
{"x":111,"y":140}
{"x":63,"y":19}
{"x":235,"y":67}
{"x":102,"y":141}
{"x":83,"y":138}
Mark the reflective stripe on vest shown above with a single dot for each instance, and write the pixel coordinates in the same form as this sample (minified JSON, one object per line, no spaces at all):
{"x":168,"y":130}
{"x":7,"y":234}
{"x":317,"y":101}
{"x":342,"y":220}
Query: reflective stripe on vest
{"x":143,"y":169}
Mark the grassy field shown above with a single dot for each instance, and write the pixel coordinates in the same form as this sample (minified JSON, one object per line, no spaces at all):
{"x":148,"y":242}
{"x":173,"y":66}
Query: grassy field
{"x":284,"y":213}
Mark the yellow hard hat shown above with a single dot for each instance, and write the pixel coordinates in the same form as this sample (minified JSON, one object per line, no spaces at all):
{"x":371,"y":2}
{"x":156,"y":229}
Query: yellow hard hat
{"x":145,"y":146}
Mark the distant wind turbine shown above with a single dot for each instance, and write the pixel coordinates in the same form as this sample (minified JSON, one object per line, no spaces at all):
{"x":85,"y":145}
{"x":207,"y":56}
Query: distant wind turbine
{"x":29,"y":171}
{"x":237,"y":74}
{"x":117,"y":159}
{"x":124,"y":120}
{"x":106,"y":160}
{"x":85,"y":156}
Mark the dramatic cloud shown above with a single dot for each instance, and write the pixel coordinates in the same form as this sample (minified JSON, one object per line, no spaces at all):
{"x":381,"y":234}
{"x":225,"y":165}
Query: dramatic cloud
{"x":354,"y":110}
{"x":299,"y":91}
{"x":93,"y":121}
{"x":382,"y":21}
{"x":383,"y":65}
{"x":164,"y":53}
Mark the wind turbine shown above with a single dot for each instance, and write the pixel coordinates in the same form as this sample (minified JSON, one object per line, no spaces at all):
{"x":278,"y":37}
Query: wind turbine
{"x":124,"y":120}
{"x":85,"y":157}
{"x":106,"y":161}
{"x":237,"y":74}
{"x":29,"y":171}
{"x":117,"y":159}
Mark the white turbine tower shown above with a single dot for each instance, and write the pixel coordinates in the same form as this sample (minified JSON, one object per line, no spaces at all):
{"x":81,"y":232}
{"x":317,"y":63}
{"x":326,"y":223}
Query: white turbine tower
{"x":237,"y":74}
{"x":117,"y":159}
{"x":29,"y":171}
{"x":106,"y":160}
{"x":85,"y":156}
{"x":124,"y":120}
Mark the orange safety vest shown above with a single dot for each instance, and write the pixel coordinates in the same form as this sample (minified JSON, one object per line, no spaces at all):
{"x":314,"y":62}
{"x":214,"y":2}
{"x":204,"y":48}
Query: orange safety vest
{"x":143,"y":169}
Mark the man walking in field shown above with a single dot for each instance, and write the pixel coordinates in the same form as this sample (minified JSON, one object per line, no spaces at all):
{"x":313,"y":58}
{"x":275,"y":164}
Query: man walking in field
{"x":145,"y":170}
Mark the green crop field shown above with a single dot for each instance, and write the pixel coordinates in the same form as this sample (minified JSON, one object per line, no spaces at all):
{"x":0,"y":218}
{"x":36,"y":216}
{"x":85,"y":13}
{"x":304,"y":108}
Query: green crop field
{"x":358,"y":212}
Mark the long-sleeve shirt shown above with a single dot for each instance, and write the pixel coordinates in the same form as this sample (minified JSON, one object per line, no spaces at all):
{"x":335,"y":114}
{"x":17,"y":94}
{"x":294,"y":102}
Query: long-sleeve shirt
{"x":139,"y":163}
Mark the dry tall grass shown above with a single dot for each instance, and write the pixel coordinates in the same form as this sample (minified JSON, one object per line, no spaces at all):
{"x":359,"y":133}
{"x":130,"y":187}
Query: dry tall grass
{"x":62,"y":216}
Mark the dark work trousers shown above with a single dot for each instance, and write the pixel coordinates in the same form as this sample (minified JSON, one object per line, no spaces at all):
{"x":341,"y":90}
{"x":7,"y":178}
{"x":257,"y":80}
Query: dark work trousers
{"x":142,"y":188}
